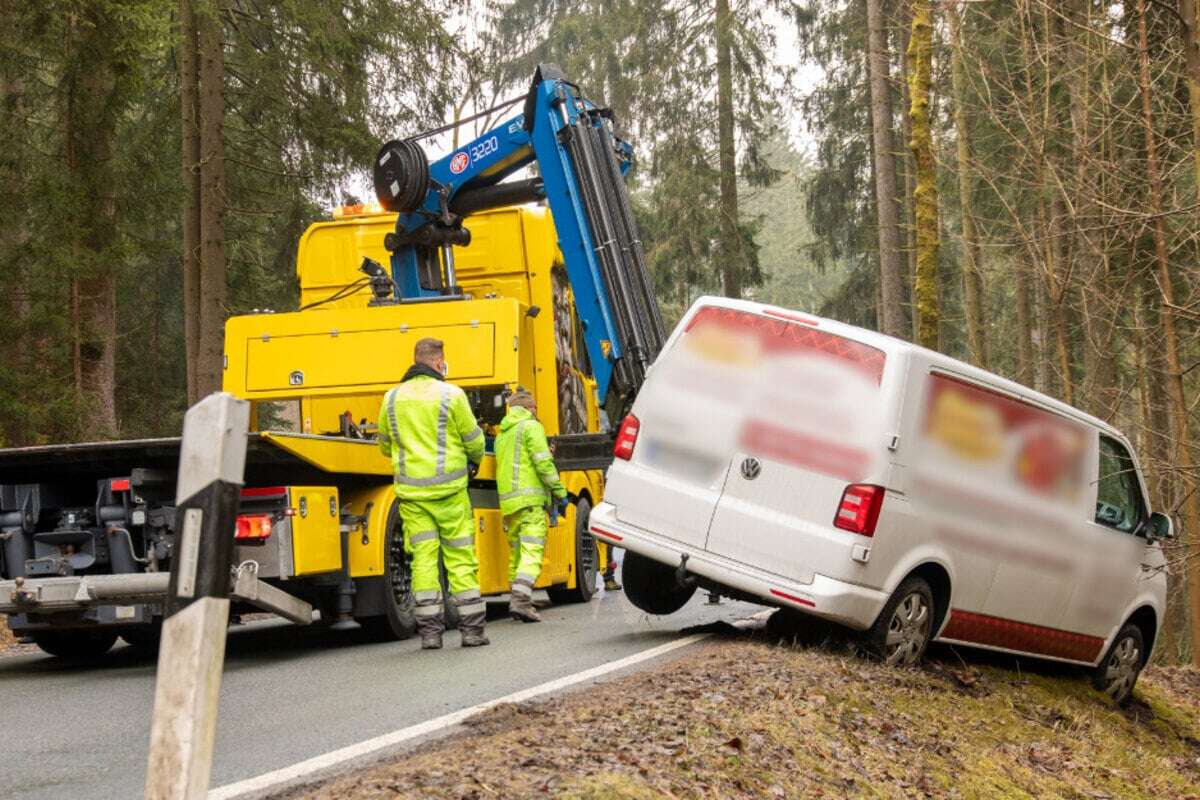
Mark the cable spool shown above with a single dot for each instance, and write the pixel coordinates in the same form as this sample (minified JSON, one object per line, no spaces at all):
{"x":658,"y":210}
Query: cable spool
{"x":401,"y":176}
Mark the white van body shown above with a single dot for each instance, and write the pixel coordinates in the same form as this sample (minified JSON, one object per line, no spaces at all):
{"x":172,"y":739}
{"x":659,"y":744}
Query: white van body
{"x":754,"y":420}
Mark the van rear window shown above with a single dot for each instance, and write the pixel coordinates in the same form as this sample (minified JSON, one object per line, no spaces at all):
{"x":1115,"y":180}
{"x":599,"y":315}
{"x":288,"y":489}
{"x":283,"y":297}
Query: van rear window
{"x":774,"y":388}
{"x":782,"y":335}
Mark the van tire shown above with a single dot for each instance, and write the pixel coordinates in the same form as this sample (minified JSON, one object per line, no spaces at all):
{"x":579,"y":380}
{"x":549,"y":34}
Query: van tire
{"x":905,"y":625}
{"x":652,"y":587}
{"x":586,"y":560}
{"x":1122,"y":664}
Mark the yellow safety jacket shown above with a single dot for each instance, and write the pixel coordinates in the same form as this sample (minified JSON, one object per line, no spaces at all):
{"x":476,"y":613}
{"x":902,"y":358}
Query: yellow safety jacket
{"x":525,"y":470}
{"x":427,"y":429}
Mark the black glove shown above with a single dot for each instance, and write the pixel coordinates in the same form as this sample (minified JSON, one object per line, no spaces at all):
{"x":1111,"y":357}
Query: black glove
{"x":472,"y":468}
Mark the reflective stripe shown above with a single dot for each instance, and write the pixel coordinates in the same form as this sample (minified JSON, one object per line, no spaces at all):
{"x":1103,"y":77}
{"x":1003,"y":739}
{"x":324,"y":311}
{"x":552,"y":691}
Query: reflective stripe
{"x":524,"y":578}
{"x":520,"y":588}
{"x":523,"y":493}
{"x":391,"y":404}
{"x":428,"y":611}
{"x":432,"y":480}
{"x":542,"y":456}
{"x":469,"y":594}
{"x":533,"y":539}
{"x":478,"y":607}
{"x":423,"y":536}
{"x":518,"y":449}
{"x":443,"y":416}
{"x":428,"y":596}
{"x":473,"y":435}
{"x":462,"y":541}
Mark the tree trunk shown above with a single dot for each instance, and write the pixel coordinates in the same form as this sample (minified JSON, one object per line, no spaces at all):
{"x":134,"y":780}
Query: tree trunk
{"x":189,"y":90}
{"x":89,"y":128}
{"x":1189,"y":11}
{"x":910,"y":175}
{"x":210,"y":361}
{"x":1179,"y":409}
{"x":972,"y":279}
{"x":887,"y":207}
{"x":920,"y":57}
{"x":732,"y":267}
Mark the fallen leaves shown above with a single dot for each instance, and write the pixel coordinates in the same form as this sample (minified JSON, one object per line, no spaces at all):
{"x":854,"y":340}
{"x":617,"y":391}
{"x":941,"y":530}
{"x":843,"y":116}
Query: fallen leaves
{"x":749,"y":719}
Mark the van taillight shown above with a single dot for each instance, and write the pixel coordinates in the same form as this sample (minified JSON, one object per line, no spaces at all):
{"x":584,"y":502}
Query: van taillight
{"x":253,"y":526}
{"x":859,"y":510}
{"x":626,"y":438}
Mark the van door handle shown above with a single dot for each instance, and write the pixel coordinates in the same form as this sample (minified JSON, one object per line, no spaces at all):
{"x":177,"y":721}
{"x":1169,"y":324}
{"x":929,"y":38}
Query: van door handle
{"x":751,"y":468}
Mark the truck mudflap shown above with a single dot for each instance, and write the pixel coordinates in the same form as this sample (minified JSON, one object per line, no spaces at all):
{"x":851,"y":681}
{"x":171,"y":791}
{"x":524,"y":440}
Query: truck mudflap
{"x":74,"y":593}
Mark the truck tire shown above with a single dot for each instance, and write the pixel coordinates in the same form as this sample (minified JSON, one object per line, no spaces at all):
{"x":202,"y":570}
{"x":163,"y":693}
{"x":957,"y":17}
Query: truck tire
{"x":587,"y":557}
{"x":144,"y":638}
{"x":79,"y":645}
{"x":398,"y":620}
{"x":903,"y":629}
{"x":652,"y":587}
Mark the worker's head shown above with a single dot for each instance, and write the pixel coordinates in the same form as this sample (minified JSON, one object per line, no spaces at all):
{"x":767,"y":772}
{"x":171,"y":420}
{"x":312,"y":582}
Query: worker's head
{"x":431,"y":352}
{"x":522,"y":398}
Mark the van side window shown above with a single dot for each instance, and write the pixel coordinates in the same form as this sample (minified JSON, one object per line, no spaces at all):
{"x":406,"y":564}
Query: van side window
{"x":1119,"y":494}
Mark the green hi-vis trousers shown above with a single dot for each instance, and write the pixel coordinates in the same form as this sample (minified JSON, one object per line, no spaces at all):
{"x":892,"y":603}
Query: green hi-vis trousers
{"x":526,"y":529}
{"x":446,"y":523}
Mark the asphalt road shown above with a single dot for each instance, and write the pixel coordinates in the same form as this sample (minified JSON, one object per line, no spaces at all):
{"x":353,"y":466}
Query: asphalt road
{"x":289,"y":693}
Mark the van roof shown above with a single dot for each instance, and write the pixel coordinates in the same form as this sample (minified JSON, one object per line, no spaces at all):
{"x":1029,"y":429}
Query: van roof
{"x":893,"y":346}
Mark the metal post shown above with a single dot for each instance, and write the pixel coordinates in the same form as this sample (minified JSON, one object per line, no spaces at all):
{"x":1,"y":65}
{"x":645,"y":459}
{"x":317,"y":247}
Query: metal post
{"x":211,"y":465}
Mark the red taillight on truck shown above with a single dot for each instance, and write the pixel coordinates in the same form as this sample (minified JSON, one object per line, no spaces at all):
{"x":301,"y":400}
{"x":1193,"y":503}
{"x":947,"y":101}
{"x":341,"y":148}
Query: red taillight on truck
{"x":253,"y":526}
{"x":859,"y":510}
{"x":626,"y":438}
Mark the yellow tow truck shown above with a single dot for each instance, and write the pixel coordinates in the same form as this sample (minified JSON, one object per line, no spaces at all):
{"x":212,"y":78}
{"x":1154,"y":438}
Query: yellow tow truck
{"x":555,"y":299}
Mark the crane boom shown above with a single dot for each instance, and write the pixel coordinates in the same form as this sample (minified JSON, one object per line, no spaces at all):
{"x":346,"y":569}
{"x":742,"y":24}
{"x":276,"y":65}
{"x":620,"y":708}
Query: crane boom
{"x":581,"y":164}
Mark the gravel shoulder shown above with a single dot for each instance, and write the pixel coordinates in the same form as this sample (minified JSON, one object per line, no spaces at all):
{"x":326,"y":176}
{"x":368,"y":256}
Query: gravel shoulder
{"x":743,"y":716}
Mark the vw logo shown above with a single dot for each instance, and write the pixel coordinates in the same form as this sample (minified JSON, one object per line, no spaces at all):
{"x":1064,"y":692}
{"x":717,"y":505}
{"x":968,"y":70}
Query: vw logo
{"x":750,"y":468}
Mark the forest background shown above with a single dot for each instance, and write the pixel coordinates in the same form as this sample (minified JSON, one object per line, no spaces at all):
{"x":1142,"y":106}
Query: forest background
{"x":1013,"y":182}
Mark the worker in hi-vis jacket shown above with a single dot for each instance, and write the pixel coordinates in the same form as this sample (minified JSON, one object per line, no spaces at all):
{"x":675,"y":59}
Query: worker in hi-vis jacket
{"x":528,"y":482}
{"x":427,"y":429}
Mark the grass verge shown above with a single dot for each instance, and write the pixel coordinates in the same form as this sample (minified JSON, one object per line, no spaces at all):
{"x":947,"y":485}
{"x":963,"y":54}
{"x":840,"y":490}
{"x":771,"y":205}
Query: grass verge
{"x":750,"y":719}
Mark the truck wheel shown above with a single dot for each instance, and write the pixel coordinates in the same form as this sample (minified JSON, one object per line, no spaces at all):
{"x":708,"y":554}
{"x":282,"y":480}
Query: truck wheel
{"x":145,"y":638}
{"x":398,"y":620}
{"x":652,"y":587}
{"x":587,"y":559}
{"x":904,"y":627}
{"x":76,"y":644}
{"x":1118,"y":672}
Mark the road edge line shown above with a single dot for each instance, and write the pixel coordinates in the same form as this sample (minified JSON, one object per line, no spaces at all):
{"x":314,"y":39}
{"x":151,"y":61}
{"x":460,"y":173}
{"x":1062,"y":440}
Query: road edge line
{"x":279,"y":778}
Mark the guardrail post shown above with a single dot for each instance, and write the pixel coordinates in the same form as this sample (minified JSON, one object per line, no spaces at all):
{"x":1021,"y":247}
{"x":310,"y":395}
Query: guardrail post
{"x":212,"y":460}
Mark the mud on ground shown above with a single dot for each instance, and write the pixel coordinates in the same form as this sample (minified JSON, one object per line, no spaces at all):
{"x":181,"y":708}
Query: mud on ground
{"x":747,"y":717}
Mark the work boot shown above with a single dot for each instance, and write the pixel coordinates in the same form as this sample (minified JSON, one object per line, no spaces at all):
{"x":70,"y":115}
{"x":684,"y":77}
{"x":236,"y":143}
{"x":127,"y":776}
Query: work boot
{"x":472,"y":618}
{"x":520,"y":607}
{"x":474,"y":636}
{"x":610,"y":583}
{"x":431,"y":627}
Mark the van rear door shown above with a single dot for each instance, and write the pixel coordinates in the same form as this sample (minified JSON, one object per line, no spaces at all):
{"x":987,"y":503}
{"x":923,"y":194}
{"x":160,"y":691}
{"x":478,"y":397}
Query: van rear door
{"x":686,"y":416}
{"x":813,"y":423}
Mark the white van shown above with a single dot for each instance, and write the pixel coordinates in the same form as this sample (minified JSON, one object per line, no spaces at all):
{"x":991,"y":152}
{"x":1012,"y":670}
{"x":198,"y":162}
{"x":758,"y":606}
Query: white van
{"x":807,"y":464}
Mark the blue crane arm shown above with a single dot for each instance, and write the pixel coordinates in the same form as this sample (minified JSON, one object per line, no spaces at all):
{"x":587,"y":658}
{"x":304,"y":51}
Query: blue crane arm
{"x":581,"y":163}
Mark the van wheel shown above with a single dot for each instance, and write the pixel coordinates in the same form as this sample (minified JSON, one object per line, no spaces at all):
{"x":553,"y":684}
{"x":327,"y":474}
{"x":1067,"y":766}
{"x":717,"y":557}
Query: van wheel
{"x":398,"y":620}
{"x":75,"y":644}
{"x":1118,"y":672}
{"x":904,"y":627}
{"x":587,"y":557}
{"x":652,"y":587}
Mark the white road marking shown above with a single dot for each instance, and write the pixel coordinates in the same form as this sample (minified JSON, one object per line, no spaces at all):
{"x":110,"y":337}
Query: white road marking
{"x":279,"y":778}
